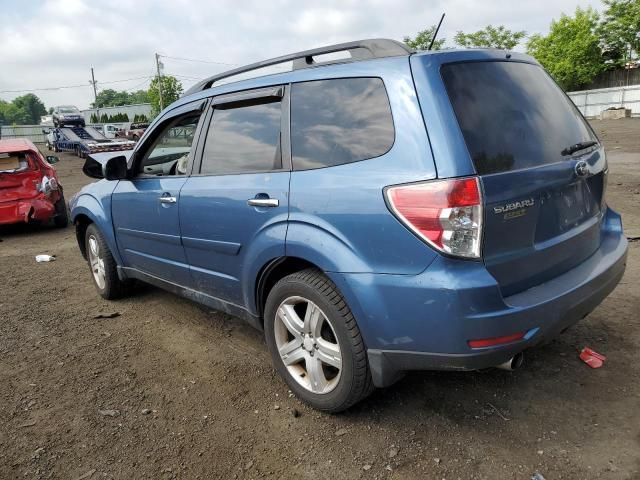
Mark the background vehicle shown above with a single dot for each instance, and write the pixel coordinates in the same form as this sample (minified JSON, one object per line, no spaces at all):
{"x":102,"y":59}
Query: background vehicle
{"x":84,"y":140}
{"x":29,"y":187}
{"x":108,"y":130}
{"x":66,"y":115}
{"x":389,"y":212}
{"x":134,"y":132}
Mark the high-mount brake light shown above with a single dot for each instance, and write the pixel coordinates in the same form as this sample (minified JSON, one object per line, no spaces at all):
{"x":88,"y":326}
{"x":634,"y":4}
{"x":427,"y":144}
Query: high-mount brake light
{"x":447,"y":214}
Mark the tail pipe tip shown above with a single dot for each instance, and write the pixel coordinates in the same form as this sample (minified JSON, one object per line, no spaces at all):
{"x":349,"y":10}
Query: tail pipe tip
{"x":513,"y":363}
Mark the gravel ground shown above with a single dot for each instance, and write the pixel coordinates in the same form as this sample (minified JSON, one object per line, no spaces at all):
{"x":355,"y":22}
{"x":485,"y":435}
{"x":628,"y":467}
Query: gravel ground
{"x":168,"y":389}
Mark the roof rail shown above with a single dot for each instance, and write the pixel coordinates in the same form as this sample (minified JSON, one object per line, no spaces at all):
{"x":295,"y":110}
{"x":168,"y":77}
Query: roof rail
{"x":359,"y":50}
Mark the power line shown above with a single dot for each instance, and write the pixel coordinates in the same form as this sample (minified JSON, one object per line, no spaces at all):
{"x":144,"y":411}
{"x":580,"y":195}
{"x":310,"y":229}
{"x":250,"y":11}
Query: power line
{"x":73,"y":86}
{"x":135,"y":87}
{"x":198,"y":60}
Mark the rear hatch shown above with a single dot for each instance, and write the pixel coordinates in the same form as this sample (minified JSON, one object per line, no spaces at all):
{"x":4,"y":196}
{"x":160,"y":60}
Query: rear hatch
{"x":18,"y":177}
{"x":542,"y":170}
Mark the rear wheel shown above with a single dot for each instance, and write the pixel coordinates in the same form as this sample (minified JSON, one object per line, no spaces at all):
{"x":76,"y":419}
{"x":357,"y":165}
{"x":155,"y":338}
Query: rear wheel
{"x":103,"y":266}
{"x":315,"y":343}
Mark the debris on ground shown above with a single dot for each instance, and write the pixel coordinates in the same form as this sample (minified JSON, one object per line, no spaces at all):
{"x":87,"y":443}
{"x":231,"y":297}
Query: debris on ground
{"x":495,"y":409}
{"x":109,"y":413}
{"x":537,"y":476}
{"x":45,"y":258}
{"x":592,"y":358}
{"x":28,"y":423}
{"x":86,"y":475}
{"x":146,"y":411}
{"x":107,"y":315}
{"x":340,"y":432}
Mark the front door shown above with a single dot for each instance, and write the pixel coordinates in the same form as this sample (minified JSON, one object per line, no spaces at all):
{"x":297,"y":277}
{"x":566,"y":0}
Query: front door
{"x":146,"y":208}
{"x":234,"y":208}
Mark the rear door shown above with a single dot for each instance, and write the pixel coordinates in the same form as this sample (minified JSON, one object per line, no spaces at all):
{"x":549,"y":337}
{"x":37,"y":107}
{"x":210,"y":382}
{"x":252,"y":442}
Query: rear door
{"x":543,"y":194}
{"x":145,"y":209}
{"x":234,"y":208}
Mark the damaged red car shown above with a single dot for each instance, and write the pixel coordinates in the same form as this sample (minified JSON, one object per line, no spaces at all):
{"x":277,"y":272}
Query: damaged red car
{"x":29,"y":188}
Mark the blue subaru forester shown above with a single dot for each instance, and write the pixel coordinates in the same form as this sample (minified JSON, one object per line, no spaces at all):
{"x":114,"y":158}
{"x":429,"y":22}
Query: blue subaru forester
{"x":372,"y":209}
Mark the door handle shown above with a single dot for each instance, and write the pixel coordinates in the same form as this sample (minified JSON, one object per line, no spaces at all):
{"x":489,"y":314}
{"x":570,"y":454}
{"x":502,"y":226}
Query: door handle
{"x":263,"y":202}
{"x":167,"y":199}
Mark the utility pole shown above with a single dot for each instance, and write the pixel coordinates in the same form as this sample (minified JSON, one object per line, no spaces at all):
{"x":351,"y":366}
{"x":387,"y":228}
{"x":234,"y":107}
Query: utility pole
{"x":158,"y":63}
{"x":95,"y":93}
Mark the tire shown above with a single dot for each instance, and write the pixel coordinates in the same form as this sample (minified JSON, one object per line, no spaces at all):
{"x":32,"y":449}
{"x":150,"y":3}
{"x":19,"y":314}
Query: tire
{"x":332,"y":351}
{"x":61,"y":218}
{"x":111,"y":287}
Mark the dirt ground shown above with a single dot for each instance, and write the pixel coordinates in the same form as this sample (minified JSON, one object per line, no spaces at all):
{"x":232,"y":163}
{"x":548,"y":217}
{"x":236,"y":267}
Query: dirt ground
{"x":194,"y":395}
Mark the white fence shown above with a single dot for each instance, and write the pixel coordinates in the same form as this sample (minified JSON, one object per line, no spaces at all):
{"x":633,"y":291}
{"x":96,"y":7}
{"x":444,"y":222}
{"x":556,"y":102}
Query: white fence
{"x":592,"y":102}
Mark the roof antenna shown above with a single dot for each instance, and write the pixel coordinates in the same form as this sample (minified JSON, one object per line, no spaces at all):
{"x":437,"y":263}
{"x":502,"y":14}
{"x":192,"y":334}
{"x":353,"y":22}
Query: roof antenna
{"x":435,"y":34}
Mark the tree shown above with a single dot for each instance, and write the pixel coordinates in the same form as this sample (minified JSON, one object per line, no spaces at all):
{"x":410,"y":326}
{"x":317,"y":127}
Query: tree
{"x":24,"y":110}
{"x":619,"y":31}
{"x":423,"y":39}
{"x":171,"y":91}
{"x":113,"y":98}
{"x":571,"y":51}
{"x":490,"y":37}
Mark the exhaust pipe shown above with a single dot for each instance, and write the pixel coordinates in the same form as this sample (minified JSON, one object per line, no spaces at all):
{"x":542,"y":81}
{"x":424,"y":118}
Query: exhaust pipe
{"x":513,"y":363}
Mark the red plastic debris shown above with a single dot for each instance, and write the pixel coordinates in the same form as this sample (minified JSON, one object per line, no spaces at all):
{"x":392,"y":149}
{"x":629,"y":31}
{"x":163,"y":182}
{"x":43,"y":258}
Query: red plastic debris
{"x":592,"y":358}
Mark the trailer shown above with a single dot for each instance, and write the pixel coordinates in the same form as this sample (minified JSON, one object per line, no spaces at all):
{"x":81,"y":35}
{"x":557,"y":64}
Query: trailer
{"x":84,"y":141}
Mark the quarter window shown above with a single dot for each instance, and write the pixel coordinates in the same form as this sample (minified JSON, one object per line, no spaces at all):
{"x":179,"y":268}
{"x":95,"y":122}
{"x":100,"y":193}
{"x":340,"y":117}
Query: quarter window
{"x":243,"y":139}
{"x":339,"y":121}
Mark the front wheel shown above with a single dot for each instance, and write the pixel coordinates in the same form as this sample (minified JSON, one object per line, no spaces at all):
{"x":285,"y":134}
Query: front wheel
{"x":103,"y":266}
{"x":315,"y":343}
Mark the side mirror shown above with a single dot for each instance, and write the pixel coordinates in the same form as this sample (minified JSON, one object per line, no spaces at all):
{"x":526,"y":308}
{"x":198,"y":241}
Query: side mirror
{"x":52,"y":159}
{"x":115,"y":168}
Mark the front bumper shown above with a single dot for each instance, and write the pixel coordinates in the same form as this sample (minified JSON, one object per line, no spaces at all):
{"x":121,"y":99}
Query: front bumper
{"x":424,"y":322}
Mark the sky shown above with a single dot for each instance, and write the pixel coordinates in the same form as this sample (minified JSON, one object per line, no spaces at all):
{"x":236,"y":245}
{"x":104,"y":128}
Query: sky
{"x":48,"y":44}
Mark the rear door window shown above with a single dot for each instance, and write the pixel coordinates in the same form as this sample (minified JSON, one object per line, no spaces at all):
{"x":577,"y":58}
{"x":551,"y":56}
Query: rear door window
{"x":512,"y":115}
{"x":339,"y":121}
{"x":243,"y":139}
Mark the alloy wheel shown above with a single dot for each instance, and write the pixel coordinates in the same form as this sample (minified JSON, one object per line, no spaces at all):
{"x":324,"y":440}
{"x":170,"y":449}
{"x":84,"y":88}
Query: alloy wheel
{"x":96,"y":262}
{"x":308,"y":345}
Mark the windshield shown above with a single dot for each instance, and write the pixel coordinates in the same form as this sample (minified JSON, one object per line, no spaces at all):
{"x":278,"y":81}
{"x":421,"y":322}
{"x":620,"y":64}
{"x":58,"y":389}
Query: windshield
{"x":68,"y":110}
{"x":512,"y":115}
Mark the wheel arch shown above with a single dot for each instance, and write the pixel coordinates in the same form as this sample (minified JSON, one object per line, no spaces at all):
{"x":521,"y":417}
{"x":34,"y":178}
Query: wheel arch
{"x":271,"y":273}
{"x":86,"y":210}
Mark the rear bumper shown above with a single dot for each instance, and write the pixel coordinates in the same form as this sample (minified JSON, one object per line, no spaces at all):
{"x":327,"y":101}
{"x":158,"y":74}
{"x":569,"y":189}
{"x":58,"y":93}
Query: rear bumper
{"x":424,"y":322}
{"x":37,"y":209}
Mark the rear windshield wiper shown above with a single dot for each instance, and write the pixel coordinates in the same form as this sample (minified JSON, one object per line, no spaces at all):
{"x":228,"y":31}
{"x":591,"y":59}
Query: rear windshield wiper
{"x":577,"y":147}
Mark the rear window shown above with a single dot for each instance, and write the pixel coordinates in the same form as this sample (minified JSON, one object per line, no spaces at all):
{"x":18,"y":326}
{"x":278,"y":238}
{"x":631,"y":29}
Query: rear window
{"x":339,"y":121}
{"x":512,"y":115}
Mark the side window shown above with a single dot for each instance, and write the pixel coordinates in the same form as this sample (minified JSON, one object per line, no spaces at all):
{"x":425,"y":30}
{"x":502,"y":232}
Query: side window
{"x":243,"y":139}
{"x":339,"y":121}
{"x":169,"y":153}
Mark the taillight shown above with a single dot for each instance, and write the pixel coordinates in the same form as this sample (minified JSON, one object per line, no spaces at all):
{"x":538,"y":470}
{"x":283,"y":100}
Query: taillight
{"x":447,"y":214}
